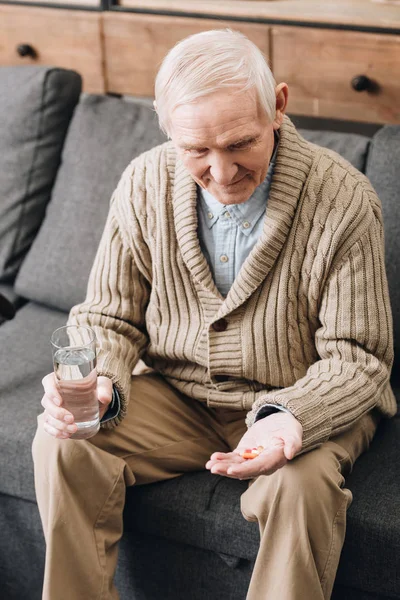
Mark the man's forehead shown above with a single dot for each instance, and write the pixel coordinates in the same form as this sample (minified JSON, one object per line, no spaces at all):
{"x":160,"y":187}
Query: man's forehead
{"x":187,"y":133}
{"x":219,"y":117}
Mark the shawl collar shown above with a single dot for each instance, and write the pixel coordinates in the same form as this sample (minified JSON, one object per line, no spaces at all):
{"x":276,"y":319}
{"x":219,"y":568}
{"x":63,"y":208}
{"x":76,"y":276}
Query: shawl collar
{"x":185,"y":221}
{"x":293,"y":163}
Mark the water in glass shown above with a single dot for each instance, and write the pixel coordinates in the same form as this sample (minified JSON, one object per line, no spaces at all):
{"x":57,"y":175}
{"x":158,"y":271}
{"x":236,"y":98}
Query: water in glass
{"x":76,"y":376}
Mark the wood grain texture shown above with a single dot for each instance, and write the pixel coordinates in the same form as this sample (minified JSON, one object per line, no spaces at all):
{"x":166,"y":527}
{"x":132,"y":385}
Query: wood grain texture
{"x":121,"y":52}
{"x":61,"y":38}
{"x":74,"y":3}
{"x":339,"y":12}
{"x":318,"y":65}
{"x":136,"y":44}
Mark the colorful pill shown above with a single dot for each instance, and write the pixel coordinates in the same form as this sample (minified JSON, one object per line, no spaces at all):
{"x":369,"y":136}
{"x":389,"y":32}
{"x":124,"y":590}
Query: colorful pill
{"x":252,"y":452}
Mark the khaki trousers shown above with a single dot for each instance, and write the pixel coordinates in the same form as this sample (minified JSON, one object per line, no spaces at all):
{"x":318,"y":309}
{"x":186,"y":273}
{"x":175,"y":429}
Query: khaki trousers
{"x":80,"y":488}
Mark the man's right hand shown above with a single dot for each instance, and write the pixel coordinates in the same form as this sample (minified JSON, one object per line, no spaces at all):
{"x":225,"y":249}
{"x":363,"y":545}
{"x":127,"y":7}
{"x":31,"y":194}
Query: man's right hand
{"x":58,"y":421}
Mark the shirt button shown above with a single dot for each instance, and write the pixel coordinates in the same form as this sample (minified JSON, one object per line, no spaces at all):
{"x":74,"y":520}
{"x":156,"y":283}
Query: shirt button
{"x":227,"y":215}
{"x":220,"y":325}
{"x":246,"y":224}
{"x":223,"y":258}
{"x":210,"y":215}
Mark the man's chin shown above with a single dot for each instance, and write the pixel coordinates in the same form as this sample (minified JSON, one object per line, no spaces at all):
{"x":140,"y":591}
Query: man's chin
{"x":232,"y":196}
{"x":235,"y":198}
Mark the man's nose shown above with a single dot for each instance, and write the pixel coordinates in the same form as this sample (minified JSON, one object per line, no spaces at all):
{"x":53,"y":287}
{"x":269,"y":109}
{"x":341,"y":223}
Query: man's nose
{"x":222,"y":169}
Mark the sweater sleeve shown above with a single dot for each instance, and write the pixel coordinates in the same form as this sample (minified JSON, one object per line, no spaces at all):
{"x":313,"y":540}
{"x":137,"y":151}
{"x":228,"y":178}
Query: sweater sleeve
{"x":116,"y":300}
{"x":354,"y":343}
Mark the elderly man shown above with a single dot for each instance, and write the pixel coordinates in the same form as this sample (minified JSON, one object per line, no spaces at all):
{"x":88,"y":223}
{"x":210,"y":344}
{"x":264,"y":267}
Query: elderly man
{"x":245,"y":267}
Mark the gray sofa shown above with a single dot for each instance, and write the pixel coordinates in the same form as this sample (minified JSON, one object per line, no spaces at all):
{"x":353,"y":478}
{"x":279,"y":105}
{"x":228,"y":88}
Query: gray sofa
{"x":61,"y":155}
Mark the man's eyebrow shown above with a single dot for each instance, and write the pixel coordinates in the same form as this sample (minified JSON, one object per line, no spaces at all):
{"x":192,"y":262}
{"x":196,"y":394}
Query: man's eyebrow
{"x":191,"y":146}
{"x":244,"y":140}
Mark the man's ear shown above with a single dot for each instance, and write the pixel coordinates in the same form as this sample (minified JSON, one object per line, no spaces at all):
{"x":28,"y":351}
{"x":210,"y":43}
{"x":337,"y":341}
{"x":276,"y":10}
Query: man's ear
{"x":282,"y":95}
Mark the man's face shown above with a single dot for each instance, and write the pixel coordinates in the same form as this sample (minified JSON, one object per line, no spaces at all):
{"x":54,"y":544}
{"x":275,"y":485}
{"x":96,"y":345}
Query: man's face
{"x":226,"y":142}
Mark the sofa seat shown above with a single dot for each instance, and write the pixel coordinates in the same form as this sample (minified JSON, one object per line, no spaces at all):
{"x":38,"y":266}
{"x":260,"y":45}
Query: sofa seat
{"x":199,"y":511}
{"x":25,"y":359}
{"x":203,"y":510}
{"x":374,"y":517}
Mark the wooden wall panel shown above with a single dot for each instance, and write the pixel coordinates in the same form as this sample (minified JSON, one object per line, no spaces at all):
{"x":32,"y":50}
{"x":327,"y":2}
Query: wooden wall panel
{"x":365,"y":13}
{"x":136,"y":44}
{"x":72,"y":3}
{"x":61,"y":38}
{"x":319,"y":65}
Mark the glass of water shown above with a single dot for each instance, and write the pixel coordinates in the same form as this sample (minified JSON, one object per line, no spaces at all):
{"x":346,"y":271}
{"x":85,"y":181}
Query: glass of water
{"x":74,"y":360}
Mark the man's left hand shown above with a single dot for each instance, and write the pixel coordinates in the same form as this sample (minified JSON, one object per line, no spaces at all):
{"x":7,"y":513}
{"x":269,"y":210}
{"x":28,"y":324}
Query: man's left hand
{"x":280,"y":434}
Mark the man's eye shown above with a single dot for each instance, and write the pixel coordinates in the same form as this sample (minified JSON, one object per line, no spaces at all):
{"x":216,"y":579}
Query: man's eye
{"x":195,"y":151}
{"x":241,"y":146}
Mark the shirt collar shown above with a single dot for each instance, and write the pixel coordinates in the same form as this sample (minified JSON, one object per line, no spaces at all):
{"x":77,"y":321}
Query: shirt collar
{"x":246,"y":214}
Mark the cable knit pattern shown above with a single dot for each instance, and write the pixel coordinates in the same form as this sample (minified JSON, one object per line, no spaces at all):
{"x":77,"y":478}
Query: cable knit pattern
{"x":308,"y":316}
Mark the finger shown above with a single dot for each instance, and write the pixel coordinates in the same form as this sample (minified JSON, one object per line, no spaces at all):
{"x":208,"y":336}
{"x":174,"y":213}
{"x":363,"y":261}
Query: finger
{"x":265,"y":464}
{"x":104,"y":390}
{"x":50,"y":387}
{"x":218,"y":457}
{"x":60,"y":425}
{"x":227,"y":462}
{"x":292,"y":445}
{"x":222,"y":455}
{"x":222,"y":469}
{"x":55,"y":432}
{"x":61,"y":414}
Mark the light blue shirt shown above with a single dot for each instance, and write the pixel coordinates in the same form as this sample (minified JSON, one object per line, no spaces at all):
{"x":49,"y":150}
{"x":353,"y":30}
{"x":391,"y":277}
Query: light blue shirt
{"x":227,"y":234}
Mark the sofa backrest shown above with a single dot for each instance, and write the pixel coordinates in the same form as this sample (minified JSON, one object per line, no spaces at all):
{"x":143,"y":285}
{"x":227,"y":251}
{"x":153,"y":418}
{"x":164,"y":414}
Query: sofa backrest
{"x":383,"y":170}
{"x":352,"y":146}
{"x":36,"y":105}
{"x":106,"y":133}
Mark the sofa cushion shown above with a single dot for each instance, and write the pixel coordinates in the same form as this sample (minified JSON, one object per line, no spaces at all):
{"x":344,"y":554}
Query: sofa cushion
{"x":36,"y":105}
{"x":370,"y":558}
{"x":351,"y":146}
{"x":383,"y":167}
{"x":11,"y":295}
{"x":7,"y":309}
{"x":106,"y":133}
{"x":25,"y":358}
{"x":8,"y":292}
{"x":153,"y":568}
{"x":198,"y":509}
{"x":202,"y":510}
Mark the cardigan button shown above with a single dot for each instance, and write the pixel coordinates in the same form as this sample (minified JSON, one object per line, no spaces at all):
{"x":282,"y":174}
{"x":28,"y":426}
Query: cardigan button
{"x":220,"y":325}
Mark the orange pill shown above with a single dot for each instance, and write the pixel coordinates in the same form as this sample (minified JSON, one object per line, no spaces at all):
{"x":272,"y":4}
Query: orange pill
{"x":252,"y":452}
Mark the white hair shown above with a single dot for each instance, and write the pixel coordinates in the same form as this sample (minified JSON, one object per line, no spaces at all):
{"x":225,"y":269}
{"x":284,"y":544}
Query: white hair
{"x":204,"y":63}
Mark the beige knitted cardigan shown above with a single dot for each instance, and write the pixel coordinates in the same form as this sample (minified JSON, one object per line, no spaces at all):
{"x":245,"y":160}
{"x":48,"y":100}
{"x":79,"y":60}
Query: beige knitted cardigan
{"x":308,"y":317}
